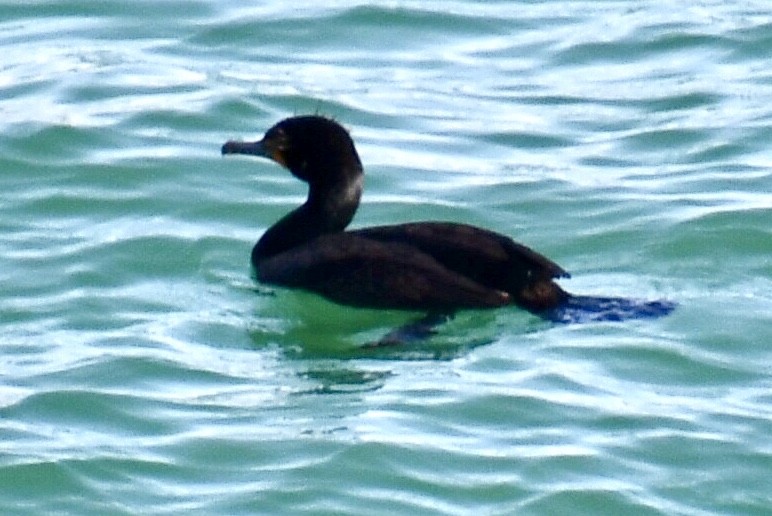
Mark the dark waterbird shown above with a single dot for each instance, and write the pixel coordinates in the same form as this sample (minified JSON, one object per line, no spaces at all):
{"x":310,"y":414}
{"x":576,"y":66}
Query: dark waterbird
{"x":433,"y":267}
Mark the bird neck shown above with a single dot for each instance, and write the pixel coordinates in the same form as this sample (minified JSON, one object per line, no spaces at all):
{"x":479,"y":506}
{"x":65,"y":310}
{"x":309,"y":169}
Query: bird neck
{"x":328,"y":209}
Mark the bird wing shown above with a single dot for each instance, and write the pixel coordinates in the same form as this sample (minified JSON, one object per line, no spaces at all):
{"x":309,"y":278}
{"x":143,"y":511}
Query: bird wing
{"x":353,"y":270}
{"x":474,"y":252}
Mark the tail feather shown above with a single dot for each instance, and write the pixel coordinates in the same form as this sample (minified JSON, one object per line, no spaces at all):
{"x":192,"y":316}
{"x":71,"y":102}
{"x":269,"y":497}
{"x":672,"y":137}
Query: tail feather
{"x":579,"y":309}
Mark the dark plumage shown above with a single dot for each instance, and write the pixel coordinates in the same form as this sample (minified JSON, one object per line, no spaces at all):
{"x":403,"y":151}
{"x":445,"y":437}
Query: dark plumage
{"x":436,"y":267}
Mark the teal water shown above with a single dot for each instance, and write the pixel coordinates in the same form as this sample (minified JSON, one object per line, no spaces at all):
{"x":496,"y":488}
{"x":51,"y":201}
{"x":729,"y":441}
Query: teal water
{"x":142,"y":371}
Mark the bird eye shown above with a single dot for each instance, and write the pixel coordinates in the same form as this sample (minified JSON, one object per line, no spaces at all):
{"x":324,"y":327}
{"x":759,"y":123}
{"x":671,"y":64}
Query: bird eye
{"x":278,"y":138}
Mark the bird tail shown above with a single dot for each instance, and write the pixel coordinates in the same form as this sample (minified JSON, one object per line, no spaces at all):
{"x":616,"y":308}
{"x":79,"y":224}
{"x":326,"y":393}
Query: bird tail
{"x":579,"y":309}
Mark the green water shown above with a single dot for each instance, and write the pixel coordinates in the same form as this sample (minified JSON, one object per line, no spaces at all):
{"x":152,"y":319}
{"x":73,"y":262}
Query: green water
{"x":142,"y":370}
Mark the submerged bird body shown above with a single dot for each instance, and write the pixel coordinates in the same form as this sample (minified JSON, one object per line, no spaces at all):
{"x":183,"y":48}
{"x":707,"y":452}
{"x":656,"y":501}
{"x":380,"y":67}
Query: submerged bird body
{"x":435,"y":267}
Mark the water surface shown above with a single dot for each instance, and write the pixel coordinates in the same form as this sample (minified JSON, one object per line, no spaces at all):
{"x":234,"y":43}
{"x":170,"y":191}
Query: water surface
{"x":142,"y":370}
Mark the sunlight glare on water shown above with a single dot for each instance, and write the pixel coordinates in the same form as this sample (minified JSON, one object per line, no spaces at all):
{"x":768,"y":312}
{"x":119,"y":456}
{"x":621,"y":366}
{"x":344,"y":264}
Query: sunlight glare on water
{"x":144,"y":371}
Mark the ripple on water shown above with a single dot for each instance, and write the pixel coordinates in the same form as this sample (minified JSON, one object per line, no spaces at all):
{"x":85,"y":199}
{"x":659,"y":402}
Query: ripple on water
{"x":144,"y":371}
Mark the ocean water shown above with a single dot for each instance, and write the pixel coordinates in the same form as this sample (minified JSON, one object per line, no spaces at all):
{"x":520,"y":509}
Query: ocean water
{"x":143,"y":371}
